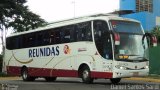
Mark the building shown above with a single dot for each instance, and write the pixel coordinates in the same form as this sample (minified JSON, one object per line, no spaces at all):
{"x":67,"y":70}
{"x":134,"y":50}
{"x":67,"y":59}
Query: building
{"x":146,"y":11}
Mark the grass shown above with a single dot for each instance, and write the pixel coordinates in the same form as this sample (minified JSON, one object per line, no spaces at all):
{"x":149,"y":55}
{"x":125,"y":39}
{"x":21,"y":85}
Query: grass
{"x":154,"y":76}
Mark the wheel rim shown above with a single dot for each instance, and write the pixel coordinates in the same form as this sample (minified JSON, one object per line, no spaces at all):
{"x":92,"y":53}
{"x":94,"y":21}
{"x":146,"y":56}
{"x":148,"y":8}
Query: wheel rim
{"x":25,"y":75}
{"x":85,"y":74}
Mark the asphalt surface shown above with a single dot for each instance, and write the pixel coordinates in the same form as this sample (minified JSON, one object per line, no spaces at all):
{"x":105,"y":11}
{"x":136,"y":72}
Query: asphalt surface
{"x":76,"y":84}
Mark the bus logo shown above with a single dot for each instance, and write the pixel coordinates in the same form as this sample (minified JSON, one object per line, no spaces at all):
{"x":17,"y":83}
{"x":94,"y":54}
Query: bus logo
{"x":66,"y":49}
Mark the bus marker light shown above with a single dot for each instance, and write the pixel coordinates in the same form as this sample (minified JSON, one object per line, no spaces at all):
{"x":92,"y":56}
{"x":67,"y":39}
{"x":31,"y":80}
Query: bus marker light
{"x":120,"y":57}
{"x":154,"y":41}
{"x":123,"y":57}
{"x":117,"y":38}
{"x":147,"y":67}
{"x":121,"y":67}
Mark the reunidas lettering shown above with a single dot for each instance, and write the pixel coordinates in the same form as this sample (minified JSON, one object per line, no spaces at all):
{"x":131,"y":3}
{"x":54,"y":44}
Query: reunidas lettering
{"x":41,"y":52}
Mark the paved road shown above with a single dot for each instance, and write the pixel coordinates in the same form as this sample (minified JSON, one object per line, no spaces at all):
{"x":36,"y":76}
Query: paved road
{"x":75,"y":84}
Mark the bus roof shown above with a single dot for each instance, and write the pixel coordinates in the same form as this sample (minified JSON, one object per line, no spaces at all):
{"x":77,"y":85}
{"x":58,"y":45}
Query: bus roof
{"x":74,"y":21}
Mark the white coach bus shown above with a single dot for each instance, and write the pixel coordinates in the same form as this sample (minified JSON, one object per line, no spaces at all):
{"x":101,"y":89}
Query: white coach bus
{"x":91,"y":47}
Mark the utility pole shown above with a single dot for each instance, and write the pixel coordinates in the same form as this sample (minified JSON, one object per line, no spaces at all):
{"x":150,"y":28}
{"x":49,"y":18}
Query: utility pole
{"x":74,"y":7}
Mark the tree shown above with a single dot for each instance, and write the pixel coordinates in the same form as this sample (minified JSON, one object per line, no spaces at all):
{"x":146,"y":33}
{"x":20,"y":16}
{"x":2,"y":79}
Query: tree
{"x":14,"y":14}
{"x":26,"y":21}
{"x":156,"y":32}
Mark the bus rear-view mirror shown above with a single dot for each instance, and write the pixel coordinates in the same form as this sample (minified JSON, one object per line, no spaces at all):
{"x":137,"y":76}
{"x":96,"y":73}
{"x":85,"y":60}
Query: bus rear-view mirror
{"x":117,"y":38}
{"x":151,"y":39}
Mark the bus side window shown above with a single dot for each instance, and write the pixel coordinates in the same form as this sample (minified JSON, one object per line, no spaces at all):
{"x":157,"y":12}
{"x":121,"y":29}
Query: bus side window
{"x":31,"y":40}
{"x":66,"y":34}
{"x":8,"y":43}
{"x":46,"y":37}
{"x":20,"y":41}
{"x":57,"y":36}
{"x":84,"y":31}
{"x":24,"y":41}
{"x":39,"y":38}
{"x":11,"y":43}
{"x":52,"y":37}
{"x":72,"y":33}
{"x":15,"y":41}
{"x":78,"y":32}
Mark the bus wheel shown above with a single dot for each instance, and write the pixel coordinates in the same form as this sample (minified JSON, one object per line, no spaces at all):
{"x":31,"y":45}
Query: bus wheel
{"x":115,"y":80}
{"x":50,"y":79}
{"x":86,"y":75}
{"x":25,"y":75}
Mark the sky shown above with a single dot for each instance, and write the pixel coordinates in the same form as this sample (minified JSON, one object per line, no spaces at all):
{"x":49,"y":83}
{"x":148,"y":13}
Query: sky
{"x":54,"y":10}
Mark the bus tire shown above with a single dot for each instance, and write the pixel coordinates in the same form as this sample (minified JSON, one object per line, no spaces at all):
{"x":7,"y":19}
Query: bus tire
{"x":25,"y":75}
{"x":86,"y":75}
{"x":50,"y":79}
{"x":115,"y":80}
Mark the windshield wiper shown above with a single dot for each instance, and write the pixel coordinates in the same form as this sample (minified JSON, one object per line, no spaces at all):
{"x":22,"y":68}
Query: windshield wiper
{"x":133,"y":55}
{"x":139,"y":58}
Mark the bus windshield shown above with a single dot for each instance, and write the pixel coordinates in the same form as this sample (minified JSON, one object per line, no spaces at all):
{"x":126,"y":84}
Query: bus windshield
{"x":131,"y":47}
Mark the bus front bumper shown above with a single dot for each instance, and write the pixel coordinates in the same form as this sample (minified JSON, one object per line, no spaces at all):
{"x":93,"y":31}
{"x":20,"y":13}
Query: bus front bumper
{"x":130,"y":73}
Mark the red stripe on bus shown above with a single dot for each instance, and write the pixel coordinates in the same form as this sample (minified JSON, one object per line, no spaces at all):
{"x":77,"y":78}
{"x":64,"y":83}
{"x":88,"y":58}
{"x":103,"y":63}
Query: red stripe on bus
{"x":45,"y":72}
{"x":13,"y":70}
{"x":101,"y":74}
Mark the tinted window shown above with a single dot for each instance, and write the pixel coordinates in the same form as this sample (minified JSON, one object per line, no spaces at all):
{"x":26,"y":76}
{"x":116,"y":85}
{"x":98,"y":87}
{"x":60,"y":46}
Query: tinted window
{"x":102,"y":39}
{"x":13,"y":42}
{"x":39,"y":38}
{"x":126,"y":26}
{"x":46,"y":38}
{"x":31,"y":40}
{"x":83,"y":31}
{"x":57,"y":36}
{"x":66,"y":34}
{"x":8,"y":43}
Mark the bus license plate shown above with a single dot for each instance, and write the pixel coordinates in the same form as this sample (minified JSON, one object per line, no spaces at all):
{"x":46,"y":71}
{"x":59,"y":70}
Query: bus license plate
{"x":135,"y":73}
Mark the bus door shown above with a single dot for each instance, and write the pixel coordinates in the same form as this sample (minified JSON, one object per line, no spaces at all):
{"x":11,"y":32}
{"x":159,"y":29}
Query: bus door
{"x":103,"y":44}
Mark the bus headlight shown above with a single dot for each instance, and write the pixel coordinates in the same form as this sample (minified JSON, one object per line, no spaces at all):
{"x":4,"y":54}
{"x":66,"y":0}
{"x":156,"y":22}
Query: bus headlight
{"x":123,"y":68}
{"x":147,"y":67}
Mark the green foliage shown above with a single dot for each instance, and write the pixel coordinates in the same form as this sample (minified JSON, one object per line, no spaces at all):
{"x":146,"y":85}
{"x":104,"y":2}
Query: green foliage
{"x":16,"y":15}
{"x":13,"y":13}
{"x":156,"y":32}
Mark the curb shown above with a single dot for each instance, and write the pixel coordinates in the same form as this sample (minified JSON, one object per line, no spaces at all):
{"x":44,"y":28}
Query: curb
{"x":144,"y":79}
{"x":132,"y":78}
{"x":10,"y":78}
